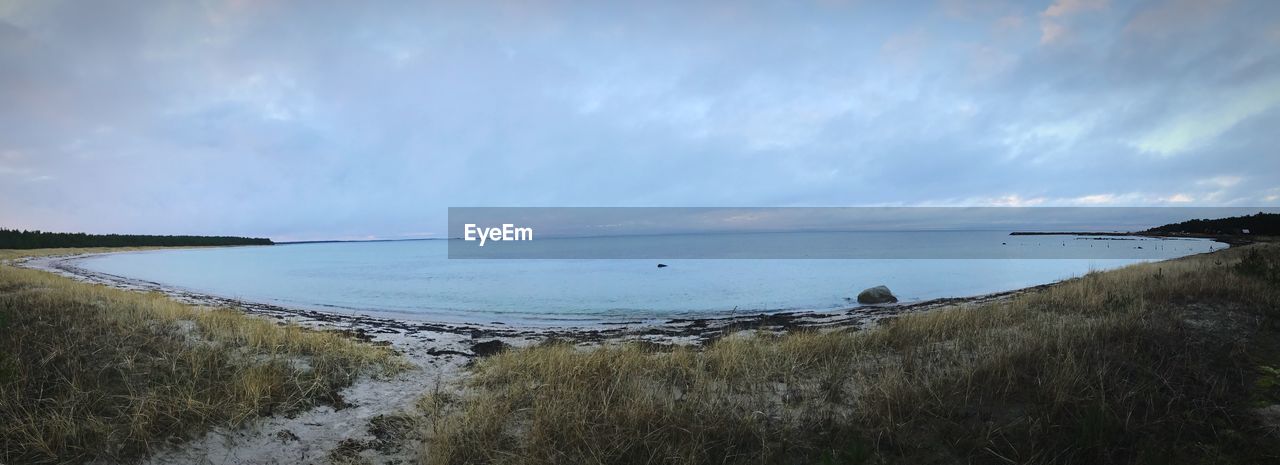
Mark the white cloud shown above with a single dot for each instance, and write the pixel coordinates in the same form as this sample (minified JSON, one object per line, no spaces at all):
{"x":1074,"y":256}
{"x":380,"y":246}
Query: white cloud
{"x":1095,"y":199}
{"x":1198,"y":125}
{"x":1016,"y":201}
{"x":1220,"y":181}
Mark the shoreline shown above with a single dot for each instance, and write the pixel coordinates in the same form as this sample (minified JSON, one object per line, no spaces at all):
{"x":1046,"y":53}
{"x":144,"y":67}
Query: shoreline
{"x":440,"y":355}
{"x":388,"y":330}
{"x":1231,"y":240}
{"x":396,"y":331}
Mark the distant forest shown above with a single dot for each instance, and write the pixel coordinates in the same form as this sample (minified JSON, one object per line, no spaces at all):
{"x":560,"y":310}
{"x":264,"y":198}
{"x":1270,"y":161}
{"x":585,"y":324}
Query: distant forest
{"x":1267,"y":224}
{"x":15,"y":239}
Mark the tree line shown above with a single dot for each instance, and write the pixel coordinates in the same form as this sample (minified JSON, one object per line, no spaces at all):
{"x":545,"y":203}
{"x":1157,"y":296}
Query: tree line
{"x":19,"y":239}
{"x":1267,"y":224}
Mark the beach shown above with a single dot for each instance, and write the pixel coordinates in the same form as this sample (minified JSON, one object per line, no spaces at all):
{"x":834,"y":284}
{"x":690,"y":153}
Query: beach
{"x":439,"y":354}
{"x":391,"y":330}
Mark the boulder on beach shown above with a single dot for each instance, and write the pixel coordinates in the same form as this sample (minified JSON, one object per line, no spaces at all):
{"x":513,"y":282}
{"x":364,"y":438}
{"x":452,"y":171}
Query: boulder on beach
{"x":487,"y":348}
{"x":876,"y":295}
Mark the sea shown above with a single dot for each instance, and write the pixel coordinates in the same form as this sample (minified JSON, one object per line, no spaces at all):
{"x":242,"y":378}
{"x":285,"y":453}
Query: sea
{"x":417,"y":280}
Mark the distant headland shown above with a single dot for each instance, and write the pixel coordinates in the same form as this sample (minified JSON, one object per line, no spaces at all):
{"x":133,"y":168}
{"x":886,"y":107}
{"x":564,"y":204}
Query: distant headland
{"x":1234,"y":230}
{"x":18,"y":239}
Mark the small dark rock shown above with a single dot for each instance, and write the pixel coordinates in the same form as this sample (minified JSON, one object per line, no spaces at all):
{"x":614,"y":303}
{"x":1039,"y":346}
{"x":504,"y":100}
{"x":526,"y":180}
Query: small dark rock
{"x":487,"y":348}
{"x":662,"y":265}
{"x":876,"y":295}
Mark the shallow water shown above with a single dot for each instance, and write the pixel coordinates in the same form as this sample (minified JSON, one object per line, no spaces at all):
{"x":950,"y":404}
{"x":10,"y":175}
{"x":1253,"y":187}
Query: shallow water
{"x":416,"y":280}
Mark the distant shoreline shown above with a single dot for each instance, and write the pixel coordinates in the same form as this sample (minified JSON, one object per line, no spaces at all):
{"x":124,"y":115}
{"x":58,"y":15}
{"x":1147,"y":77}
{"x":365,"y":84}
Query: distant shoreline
{"x":343,"y":241}
{"x":1229,"y":239}
{"x":368,"y":325}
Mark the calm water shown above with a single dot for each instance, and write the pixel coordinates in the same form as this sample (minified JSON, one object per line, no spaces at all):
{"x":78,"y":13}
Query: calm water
{"x":415,"y":279}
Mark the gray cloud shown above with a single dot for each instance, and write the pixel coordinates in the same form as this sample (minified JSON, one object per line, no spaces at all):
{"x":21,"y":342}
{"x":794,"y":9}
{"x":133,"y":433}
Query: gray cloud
{"x":308,"y":120}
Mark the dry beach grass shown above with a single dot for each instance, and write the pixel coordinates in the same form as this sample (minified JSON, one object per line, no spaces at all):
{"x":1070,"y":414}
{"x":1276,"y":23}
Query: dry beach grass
{"x":1156,"y":363}
{"x":90,"y":373}
{"x":1171,"y":362}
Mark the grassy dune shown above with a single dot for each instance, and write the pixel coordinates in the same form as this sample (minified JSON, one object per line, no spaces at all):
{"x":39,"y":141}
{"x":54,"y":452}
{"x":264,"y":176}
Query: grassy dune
{"x":89,"y":373}
{"x":1156,"y":363}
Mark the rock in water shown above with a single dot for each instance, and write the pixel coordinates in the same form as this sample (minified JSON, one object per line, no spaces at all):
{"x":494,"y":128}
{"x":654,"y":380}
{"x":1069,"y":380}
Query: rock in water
{"x":876,"y":295}
{"x":662,"y":265}
{"x":487,"y":348}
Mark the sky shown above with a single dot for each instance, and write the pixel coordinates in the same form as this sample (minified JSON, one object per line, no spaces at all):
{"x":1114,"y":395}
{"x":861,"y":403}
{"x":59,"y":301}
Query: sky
{"x":343,"y":120}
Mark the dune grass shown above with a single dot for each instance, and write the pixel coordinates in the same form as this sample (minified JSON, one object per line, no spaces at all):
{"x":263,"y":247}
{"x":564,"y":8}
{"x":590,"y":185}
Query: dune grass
{"x":94,"y":374}
{"x":1153,"y":363}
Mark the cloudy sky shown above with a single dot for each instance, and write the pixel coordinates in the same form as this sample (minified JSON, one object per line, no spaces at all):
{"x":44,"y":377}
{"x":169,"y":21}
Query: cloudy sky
{"x":304,"y":120}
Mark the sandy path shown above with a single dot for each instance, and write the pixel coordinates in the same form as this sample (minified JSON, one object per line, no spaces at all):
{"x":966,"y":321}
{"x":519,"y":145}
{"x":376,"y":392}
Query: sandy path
{"x":326,"y":435}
